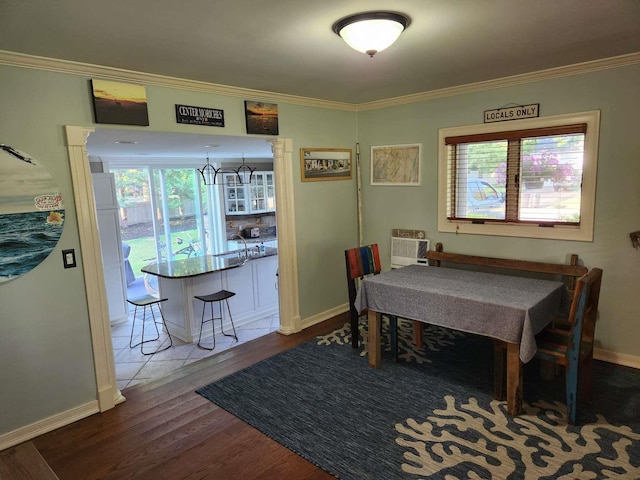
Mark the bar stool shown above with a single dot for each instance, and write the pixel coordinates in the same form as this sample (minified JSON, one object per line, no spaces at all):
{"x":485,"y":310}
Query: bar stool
{"x":144,"y":302}
{"x":219,"y":297}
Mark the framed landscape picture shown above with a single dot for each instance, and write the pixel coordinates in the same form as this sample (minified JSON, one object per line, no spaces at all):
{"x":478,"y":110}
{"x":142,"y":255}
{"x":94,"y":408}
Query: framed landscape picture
{"x":119,"y":103}
{"x":396,"y":165}
{"x":317,"y":164}
{"x":261,"y":118}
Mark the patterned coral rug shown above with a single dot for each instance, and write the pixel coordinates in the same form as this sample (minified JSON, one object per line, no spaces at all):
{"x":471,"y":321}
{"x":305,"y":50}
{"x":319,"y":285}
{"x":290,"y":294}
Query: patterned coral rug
{"x":432,"y":415}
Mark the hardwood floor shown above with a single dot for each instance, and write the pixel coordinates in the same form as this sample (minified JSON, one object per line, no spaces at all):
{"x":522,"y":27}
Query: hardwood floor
{"x":167,"y":431}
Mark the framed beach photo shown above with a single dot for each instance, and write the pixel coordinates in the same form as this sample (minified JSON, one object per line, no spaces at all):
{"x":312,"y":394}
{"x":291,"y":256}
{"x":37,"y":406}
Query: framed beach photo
{"x":119,"y":103}
{"x":317,"y":164}
{"x":261,"y":118}
{"x":396,"y":165}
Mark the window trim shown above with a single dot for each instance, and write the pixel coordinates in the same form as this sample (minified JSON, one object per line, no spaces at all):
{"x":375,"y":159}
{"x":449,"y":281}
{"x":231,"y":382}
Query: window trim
{"x":581,"y":233}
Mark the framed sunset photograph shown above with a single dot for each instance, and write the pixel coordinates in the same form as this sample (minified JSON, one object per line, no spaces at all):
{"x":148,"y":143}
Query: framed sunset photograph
{"x":119,"y":103}
{"x":261,"y":118}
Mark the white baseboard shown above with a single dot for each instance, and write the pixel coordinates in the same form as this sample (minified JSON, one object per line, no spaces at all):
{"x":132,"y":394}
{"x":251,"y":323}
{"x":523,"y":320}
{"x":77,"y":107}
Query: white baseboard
{"x":617,"y":358}
{"x":41,"y":427}
{"x":326,"y":315}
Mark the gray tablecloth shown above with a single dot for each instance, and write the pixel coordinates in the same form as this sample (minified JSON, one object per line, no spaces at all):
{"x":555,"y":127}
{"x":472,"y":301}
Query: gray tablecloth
{"x":504,"y":307}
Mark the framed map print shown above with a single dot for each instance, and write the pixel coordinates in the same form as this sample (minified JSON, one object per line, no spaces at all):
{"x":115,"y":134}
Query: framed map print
{"x":396,"y":165}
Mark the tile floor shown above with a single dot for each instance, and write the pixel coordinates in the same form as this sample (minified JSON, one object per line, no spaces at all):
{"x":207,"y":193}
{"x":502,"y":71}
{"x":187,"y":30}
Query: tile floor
{"x":132,"y":367}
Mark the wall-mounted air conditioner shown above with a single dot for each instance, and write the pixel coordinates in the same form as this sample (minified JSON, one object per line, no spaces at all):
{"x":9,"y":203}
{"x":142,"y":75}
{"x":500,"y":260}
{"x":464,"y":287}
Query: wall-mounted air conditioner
{"x":408,"y":251}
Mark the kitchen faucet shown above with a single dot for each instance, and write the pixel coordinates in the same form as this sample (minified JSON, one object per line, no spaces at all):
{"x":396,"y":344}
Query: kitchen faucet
{"x":246,"y":248}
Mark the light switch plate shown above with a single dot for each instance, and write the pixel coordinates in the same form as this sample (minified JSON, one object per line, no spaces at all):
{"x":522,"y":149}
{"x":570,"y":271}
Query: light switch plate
{"x":69,"y":258}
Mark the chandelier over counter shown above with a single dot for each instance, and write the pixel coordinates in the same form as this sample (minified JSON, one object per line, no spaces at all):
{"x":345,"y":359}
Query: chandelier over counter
{"x":242,"y":175}
{"x":371,"y":32}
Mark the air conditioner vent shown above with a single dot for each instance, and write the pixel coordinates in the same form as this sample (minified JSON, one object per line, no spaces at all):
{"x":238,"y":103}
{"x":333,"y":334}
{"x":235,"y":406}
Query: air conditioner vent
{"x":408,"y":251}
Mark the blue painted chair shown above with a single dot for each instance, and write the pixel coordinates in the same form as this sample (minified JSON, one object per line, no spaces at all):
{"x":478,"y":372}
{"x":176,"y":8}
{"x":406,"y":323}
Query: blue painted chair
{"x":569,"y":342}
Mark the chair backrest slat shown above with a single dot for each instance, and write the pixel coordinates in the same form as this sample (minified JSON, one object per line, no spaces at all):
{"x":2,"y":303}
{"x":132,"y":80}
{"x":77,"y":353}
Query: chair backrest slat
{"x":584,"y":307}
{"x":591,"y":281}
{"x":362,"y":261}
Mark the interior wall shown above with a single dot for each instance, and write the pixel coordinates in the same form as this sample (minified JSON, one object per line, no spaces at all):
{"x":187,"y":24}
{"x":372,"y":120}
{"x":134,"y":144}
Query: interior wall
{"x":615,"y":93}
{"x":45,"y":340}
{"x":45,"y":346}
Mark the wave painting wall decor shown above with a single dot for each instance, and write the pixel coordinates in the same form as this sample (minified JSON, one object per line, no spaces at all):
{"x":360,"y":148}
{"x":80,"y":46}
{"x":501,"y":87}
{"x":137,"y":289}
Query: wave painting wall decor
{"x":31,"y":213}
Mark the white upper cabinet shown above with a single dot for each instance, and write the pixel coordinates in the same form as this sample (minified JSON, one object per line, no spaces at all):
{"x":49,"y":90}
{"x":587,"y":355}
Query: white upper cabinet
{"x":235,"y":195}
{"x":258,"y":197}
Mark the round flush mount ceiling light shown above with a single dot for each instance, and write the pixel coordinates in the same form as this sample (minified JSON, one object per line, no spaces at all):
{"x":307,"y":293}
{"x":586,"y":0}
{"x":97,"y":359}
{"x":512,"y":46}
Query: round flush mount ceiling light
{"x":371,"y":32}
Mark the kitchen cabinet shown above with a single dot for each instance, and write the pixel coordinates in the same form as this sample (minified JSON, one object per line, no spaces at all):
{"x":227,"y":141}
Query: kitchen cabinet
{"x":257,"y":197}
{"x":262,"y":193}
{"x":235,"y":195}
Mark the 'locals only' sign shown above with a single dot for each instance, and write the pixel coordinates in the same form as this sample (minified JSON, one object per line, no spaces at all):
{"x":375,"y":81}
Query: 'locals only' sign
{"x":512,"y":113}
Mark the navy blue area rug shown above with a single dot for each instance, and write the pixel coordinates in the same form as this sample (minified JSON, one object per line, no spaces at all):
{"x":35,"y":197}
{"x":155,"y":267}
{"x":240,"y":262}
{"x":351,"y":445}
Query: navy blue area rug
{"x":432,"y":414}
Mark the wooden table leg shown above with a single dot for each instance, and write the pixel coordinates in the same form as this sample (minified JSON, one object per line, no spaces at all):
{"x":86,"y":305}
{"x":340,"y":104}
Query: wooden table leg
{"x":499,"y":351}
{"x":514,"y":379}
{"x":417,"y":333}
{"x":375,"y":354}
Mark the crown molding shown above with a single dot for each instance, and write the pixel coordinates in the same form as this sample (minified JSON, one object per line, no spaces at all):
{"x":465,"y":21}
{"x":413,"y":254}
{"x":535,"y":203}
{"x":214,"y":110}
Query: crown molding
{"x":110,"y":73}
{"x":564,"y":71}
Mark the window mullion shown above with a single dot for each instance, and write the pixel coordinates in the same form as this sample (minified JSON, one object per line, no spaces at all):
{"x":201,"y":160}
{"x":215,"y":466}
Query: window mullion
{"x":513,"y":181}
{"x":453,"y":175}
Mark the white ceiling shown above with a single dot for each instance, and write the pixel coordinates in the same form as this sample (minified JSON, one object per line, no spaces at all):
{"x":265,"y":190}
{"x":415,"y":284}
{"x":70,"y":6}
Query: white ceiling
{"x":102,"y":143}
{"x":288,"y":46}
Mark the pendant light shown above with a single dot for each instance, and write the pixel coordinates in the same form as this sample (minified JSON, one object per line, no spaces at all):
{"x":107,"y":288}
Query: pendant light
{"x":208,"y":173}
{"x":215,"y":176}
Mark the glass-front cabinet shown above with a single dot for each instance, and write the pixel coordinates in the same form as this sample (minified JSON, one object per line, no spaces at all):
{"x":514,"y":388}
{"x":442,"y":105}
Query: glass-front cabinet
{"x":235,"y":195}
{"x":270,"y":188}
{"x":258,"y":197}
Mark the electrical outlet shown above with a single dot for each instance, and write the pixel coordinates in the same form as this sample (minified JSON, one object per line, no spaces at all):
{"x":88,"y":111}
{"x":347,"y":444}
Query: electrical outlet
{"x":69,"y":258}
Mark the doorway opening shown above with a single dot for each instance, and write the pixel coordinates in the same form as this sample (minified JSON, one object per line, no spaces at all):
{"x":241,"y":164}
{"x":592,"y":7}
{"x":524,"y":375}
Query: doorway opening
{"x":167,"y":213}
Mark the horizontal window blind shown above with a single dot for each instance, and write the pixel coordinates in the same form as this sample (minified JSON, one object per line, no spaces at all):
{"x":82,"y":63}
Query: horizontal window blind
{"x":522,"y":176}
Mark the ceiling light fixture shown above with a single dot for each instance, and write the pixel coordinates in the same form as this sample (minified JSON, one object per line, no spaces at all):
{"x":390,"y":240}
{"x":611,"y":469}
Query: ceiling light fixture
{"x":371,"y":32}
{"x":242,"y":175}
{"x":208,"y":173}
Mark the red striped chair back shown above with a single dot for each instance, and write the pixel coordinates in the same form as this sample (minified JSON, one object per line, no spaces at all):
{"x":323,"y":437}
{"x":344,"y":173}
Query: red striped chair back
{"x":361,"y":261}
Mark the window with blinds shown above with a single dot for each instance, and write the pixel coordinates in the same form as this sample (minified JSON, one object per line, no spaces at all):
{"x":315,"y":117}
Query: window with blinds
{"x":530,"y":177}
{"x":518,"y":176}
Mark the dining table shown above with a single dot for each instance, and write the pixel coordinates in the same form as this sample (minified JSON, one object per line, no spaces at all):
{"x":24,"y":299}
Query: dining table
{"x":506,"y":308}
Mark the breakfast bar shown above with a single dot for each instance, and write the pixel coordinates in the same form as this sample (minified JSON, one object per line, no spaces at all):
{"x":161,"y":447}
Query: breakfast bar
{"x":250,"y":274}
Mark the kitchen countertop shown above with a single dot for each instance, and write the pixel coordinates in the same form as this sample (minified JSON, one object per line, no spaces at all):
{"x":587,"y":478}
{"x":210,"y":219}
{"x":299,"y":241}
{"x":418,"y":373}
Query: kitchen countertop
{"x":194,"y":266}
{"x":251,"y":240}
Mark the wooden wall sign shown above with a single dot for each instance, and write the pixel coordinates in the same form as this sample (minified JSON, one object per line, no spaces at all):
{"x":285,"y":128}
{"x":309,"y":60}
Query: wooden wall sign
{"x":512,"y":113}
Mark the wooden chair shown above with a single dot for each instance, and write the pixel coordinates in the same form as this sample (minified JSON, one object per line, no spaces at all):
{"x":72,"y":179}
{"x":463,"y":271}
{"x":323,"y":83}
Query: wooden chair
{"x":361,"y":262}
{"x":567,"y":343}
